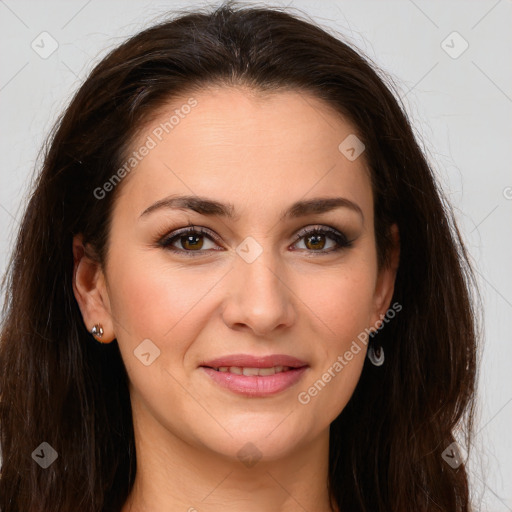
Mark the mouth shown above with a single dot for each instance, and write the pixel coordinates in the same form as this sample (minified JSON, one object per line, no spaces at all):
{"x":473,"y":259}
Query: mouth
{"x":255,"y":382}
{"x":248,"y":372}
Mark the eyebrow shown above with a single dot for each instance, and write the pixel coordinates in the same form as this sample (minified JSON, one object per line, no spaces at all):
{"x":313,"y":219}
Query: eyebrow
{"x":210,"y":207}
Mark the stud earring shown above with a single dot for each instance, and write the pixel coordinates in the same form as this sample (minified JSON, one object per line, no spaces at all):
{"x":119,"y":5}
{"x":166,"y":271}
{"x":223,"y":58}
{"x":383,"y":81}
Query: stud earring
{"x":97,"y":332}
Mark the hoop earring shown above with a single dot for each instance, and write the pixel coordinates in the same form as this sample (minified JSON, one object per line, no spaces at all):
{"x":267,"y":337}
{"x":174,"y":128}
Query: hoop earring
{"x":97,"y":332}
{"x":376,"y":354}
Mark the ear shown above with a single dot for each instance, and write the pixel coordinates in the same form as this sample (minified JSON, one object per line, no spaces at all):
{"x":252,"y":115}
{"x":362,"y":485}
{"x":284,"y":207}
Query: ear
{"x":90,"y":290}
{"x":385,"y":285}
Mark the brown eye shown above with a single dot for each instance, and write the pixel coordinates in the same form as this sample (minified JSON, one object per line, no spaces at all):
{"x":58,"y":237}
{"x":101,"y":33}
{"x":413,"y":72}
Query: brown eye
{"x":191,"y":241}
{"x":316,"y":239}
{"x":188,"y":241}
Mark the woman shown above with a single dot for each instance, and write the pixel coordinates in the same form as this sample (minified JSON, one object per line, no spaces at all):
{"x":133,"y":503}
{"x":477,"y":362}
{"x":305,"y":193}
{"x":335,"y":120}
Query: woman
{"x":236,"y":284}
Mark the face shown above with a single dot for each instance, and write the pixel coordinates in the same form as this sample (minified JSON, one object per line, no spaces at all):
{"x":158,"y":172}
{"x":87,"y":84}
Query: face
{"x":251,"y":278}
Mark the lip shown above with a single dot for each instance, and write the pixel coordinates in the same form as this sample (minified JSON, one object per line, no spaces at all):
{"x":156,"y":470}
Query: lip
{"x":255,"y":385}
{"x":250,"y":361}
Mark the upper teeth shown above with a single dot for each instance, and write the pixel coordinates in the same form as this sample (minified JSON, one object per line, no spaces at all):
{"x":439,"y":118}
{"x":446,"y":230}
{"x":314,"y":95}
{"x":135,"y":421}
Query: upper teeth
{"x":253,"y":371}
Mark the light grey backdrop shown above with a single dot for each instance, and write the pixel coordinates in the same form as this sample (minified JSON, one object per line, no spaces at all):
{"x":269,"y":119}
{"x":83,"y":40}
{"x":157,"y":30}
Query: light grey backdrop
{"x":451,"y":61}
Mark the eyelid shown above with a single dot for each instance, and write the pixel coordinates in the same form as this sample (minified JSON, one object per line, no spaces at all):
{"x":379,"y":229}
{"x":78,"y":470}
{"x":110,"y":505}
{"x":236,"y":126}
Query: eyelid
{"x":165,"y":239}
{"x":337,"y":235}
{"x":191,"y":228}
{"x":320,"y":228}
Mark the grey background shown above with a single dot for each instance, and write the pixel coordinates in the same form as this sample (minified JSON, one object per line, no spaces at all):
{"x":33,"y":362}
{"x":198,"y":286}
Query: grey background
{"x":461,"y":109}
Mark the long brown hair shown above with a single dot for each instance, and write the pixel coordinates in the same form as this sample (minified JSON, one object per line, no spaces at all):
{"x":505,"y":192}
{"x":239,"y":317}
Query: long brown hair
{"x":57,"y":385}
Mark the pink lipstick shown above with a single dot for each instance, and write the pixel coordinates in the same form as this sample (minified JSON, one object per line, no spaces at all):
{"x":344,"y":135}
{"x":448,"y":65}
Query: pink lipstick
{"x":255,"y":376}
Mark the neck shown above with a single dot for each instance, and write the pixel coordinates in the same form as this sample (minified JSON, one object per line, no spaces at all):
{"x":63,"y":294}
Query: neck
{"x":173,"y":474}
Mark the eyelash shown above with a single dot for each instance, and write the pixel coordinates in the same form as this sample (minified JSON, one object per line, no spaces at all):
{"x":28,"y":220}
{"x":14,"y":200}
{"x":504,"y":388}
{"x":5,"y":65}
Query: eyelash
{"x":339,"y":238}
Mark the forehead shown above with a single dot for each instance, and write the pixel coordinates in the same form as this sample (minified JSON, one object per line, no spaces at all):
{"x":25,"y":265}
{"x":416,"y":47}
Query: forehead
{"x":231,"y":142}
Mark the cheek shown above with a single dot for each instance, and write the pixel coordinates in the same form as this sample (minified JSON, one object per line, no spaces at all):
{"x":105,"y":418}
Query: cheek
{"x":340,"y":300}
{"x":167,"y":304}
{"x":339,"y":307}
{"x":150,"y":299}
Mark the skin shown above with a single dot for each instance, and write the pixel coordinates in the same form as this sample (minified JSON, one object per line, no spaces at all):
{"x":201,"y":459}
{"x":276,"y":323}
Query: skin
{"x":261,"y":153}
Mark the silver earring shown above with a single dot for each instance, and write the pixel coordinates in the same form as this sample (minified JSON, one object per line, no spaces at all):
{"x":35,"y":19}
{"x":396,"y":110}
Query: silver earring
{"x":97,"y":331}
{"x":376,"y":354}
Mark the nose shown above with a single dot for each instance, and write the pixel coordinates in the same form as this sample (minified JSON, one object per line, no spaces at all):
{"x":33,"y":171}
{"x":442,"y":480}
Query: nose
{"x":258,"y":298}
